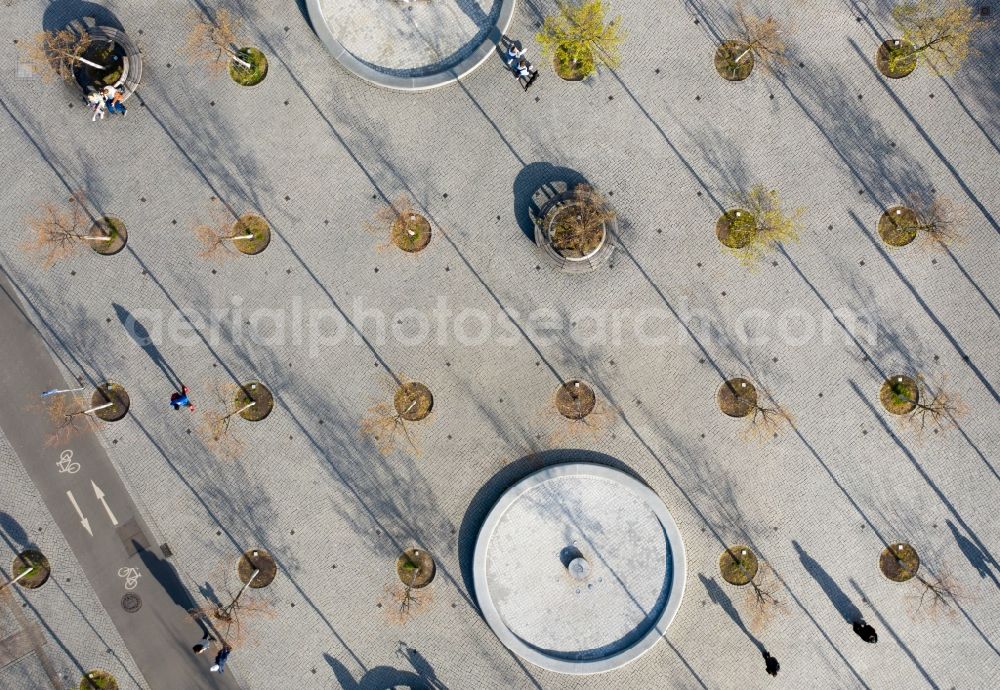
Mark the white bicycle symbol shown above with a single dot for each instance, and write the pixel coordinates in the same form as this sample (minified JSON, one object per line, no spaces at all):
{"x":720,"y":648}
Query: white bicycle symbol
{"x":131,"y":576}
{"x":66,"y":463}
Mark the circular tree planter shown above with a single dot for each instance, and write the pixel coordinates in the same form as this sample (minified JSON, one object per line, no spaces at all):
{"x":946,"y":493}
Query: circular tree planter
{"x":257,"y":71}
{"x":899,"y":394}
{"x":735,"y":228}
{"x":899,"y":562}
{"x":415,"y":567}
{"x":905,"y":58}
{"x":251,"y":224}
{"x":571,"y":71}
{"x":257,"y":559}
{"x":120,"y":59}
{"x":39,"y":564}
{"x":113,"y":393}
{"x":737,"y":397}
{"x":411,"y":232}
{"x":257,"y":392}
{"x":574,"y":246}
{"x":413,"y":401}
{"x":575,"y":399}
{"x":738,"y":565}
{"x":108,"y":226}
{"x":897,"y":226}
{"x":726,"y":64}
{"x":98,"y":680}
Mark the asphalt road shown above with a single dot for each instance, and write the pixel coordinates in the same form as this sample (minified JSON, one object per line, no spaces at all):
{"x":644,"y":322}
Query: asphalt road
{"x":94,"y":511}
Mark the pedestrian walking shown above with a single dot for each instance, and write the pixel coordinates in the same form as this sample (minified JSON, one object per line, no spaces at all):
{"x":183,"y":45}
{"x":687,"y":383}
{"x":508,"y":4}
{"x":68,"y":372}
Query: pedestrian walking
{"x":865,"y":631}
{"x":771,"y":664}
{"x":179,"y":400}
{"x":206,"y":642}
{"x":220,"y":660}
{"x":95,"y":101}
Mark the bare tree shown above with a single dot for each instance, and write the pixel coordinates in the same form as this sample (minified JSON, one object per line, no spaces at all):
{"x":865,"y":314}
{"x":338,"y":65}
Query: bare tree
{"x":938,"y":596}
{"x":212,"y":39}
{"x":938,"y":222}
{"x":937,"y":409}
{"x":767,"y":419}
{"x":405,"y":601}
{"x":581,"y":229}
{"x":231,"y":617}
{"x":70,"y":415}
{"x":761,"y":597}
{"x":386,"y":427}
{"x":764,"y":38}
{"x":55,"y":53}
{"x":60,"y":231}
{"x":217,"y":234}
{"x":216,"y":430}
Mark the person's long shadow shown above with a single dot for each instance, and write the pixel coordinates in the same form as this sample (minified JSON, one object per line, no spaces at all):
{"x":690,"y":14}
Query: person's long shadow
{"x":422,"y":667}
{"x":378,"y":678}
{"x":719,"y":597}
{"x":980,"y":560}
{"x":140,"y":335}
{"x":845,"y":607}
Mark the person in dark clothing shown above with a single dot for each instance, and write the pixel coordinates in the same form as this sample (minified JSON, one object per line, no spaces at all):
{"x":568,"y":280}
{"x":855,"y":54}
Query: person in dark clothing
{"x":865,"y":631}
{"x":771,"y":664}
{"x":220,"y":660}
{"x":179,"y":400}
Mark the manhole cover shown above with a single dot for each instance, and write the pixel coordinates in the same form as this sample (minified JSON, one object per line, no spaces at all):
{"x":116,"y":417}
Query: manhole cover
{"x":131,"y":602}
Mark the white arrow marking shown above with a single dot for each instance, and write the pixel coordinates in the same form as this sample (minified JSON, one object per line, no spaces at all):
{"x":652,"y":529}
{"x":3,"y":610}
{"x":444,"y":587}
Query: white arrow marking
{"x":100,"y":497}
{"x":83,"y":521}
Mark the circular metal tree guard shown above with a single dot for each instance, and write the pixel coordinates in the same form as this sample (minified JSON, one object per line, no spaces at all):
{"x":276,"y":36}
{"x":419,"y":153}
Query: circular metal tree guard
{"x":579,"y":568}
{"x":131,"y":63}
{"x":552,"y":196}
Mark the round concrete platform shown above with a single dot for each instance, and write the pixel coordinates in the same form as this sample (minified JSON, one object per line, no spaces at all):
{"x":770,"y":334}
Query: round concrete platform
{"x":579,"y":568}
{"x":410,"y":45}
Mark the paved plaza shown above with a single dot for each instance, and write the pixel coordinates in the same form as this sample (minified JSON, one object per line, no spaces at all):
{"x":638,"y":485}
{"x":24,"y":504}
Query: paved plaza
{"x":331,"y":318}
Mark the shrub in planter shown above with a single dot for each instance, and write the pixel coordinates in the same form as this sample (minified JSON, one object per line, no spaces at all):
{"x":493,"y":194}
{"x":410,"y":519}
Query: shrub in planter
{"x":578,"y":39}
{"x":758,"y":225}
{"x":761,"y":41}
{"x":937,"y":32}
{"x":213,"y":41}
{"x":408,"y":229}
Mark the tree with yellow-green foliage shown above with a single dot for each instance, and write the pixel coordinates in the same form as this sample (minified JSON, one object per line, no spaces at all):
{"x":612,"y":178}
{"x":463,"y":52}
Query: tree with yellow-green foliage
{"x":935,"y":31}
{"x":579,"y":39}
{"x":759,"y":225}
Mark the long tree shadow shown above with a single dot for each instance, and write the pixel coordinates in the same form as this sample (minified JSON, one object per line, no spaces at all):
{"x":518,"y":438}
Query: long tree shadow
{"x":923,"y":134}
{"x":937,"y":491}
{"x":920,"y":300}
{"x":902,"y":645}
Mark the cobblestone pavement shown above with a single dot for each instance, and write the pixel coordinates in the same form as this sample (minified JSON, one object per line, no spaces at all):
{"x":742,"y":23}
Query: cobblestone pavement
{"x":319,"y":153}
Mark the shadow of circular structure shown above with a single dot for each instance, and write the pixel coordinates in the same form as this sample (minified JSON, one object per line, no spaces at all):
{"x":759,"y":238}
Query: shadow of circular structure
{"x":410,"y":45}
{"x":579,"y":568}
